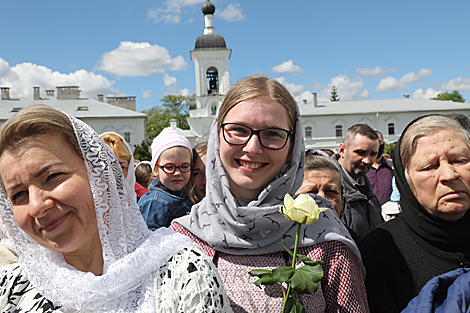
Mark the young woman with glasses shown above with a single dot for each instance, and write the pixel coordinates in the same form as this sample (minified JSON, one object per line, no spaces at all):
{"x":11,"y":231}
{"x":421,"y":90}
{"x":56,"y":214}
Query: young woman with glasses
{"x":255,"y":156}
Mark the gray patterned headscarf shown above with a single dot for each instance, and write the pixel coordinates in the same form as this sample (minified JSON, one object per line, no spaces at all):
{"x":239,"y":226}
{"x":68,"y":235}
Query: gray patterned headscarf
{"x":229,"y":225}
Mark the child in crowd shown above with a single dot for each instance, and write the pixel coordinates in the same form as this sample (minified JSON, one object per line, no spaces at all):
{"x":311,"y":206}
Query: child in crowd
{"x":143,"y":178}
{"x":198,"y":173}
{"x":171,"y":163}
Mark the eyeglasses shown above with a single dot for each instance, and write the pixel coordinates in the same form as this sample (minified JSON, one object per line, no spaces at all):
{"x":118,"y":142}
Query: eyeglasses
{"x":170,"y":168}
{"x":271,"y":138}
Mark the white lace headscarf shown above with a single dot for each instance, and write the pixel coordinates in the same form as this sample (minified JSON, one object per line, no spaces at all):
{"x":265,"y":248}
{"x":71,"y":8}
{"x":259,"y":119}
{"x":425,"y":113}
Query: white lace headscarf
{"x":130,"y":178}
{"x":132,"y":254}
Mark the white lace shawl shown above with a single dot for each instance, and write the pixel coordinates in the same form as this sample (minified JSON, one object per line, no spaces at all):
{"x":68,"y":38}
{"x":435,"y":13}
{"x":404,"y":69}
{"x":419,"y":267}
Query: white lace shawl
{"x":132,"y":253}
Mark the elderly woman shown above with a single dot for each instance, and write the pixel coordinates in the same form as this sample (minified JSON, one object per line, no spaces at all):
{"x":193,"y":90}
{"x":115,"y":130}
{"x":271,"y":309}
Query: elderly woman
{"x":81,"y":240}
{"x":432,"y":235}
{"x":255,"y":156}
{"x":322,"y":176}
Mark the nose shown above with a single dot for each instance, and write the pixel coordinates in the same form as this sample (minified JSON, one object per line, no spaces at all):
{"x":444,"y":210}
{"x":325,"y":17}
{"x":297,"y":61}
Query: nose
{"x":39,"y":202}
{"x":253,"y":146}
{"x":177,"y":171}
{"x":447,"y":172}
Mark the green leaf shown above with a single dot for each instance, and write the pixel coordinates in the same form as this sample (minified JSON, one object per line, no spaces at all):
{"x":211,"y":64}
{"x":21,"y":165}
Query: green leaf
{"x":309,"y":261}
{"x":294,"y":306}
{"x":304,"y":279}
{"x":287,"y":248}
{"x":260,"y":272}
{"x":282,"y":274}
{"x":267,"y":280}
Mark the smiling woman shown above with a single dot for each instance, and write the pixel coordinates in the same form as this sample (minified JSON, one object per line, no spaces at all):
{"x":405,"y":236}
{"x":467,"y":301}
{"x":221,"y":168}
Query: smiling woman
{"x":432,"y":168}
{"x":255,"y":158}
{"x":76,"y":227}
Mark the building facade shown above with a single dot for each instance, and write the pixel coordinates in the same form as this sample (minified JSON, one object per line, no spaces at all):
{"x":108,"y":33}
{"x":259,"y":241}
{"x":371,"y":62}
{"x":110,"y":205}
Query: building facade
{"x":102,"y":117}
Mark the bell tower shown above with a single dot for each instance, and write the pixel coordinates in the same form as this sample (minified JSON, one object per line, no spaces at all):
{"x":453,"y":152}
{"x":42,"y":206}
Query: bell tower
{"x":210,"y":57}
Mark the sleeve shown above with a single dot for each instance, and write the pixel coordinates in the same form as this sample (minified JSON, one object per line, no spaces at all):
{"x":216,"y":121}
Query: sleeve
{"x":154,"y":212}
{"x":342,"y":282}
{"x":192,"y":284}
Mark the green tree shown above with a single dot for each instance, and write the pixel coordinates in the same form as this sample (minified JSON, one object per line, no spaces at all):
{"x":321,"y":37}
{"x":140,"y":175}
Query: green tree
{"x":455,"y":96}
{"x":388,"y":149}
{"x":172,"y":107}
{"x":142,"y":151}
{"x":334,"y":94}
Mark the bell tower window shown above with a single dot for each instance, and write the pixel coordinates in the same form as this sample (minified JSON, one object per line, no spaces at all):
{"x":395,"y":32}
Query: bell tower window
{"x":212,"y":81}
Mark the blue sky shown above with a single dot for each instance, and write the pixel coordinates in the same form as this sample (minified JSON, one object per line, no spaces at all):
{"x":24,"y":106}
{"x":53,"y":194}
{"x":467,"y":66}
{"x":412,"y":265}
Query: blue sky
{"x":367,"y":49}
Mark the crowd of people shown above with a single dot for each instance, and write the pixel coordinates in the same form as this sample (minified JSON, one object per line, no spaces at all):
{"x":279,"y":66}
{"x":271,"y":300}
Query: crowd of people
{"x":89,"y":229}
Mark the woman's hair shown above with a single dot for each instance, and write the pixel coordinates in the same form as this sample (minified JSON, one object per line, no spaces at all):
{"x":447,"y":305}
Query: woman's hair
{"x":314,"y":161}
{"x":34,"y":121}
{"x":199,"y":149}
{"x":259,"y":86}
{"x":428,"y":126}
{"x":143,"y":174}
{"x":116,"y":143}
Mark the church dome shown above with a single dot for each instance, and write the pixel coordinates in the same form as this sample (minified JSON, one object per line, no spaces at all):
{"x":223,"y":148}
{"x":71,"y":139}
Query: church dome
{"x":210,"y":41}
{"x":208,"y":8}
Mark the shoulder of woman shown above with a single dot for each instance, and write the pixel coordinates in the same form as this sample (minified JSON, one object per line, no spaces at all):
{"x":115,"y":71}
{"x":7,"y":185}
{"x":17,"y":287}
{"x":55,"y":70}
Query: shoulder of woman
{"x":7,"y":256}
{"x":9,"y":277}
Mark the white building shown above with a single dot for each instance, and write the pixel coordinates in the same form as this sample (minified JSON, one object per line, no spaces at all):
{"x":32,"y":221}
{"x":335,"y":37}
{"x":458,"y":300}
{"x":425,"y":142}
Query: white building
{"x":210,"y":57}
{"x":100,"y":116}
{"x":325,"y":123}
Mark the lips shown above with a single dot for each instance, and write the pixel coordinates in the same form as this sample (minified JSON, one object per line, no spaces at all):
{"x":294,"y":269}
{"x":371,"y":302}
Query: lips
{"x":250,"y":165}
{"x":54,"y":223}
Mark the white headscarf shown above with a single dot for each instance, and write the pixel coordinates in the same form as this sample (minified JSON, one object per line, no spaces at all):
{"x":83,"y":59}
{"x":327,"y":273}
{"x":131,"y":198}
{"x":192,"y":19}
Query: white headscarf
{"x":229,"y":225}
{"x":131,"y":169}
{"x":132,"y":254}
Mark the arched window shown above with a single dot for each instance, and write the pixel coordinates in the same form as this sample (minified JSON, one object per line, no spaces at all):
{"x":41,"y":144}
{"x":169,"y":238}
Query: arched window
{"x":212,"y":81}
{"x":339,"y":130}
{"x":391,"y":129}
{"x":308,"y":132}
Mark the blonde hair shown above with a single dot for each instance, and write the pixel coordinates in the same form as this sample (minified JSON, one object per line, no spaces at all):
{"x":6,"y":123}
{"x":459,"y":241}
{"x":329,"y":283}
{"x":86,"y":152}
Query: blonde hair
{"x":116,"y":143}
{"x":34,"y":121}
{"x":259,"y":86}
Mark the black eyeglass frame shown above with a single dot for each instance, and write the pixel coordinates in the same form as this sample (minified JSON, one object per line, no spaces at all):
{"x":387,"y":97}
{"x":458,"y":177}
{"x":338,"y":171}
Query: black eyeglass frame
{"x":255,"y":132}
{"x":176,"y":167}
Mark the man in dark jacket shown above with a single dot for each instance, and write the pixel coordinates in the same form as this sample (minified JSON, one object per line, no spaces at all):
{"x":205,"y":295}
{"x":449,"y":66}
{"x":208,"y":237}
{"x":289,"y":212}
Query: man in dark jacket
{"x":361,"y":210}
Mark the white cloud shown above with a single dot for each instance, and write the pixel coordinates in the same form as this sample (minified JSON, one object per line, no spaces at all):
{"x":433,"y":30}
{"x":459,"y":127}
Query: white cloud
{"x":22,"y":77}
{"x":375,"y":73}
{"x":233,"y":12}
{"x":170,"y":11}
{"x":414,"y":77}
{"x":287,"y":67}
{"x":169,"y":80}
{"x":294,"y":89}
{"x":460,"y":84}
{"x":388,"y":84}
{"x":147,"y":93}
{"x":428,"y":94}
{"x":175,"y":91}
{"x":139,"y":59}
{"x":347,"y":89}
